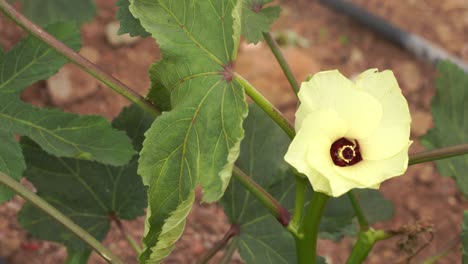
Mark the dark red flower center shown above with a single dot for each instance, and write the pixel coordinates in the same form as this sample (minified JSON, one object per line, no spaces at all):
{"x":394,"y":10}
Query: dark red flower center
{"x":345,"y":152}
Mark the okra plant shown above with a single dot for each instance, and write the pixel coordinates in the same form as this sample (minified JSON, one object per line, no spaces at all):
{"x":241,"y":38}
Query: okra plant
{"x":282,"y":186}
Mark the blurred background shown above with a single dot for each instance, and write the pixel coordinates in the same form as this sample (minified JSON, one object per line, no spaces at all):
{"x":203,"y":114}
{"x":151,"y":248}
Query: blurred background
{"x":313,"y":38}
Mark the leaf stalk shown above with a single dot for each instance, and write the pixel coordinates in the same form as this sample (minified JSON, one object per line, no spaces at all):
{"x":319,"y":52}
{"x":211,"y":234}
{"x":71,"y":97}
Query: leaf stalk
{"x":76,"y":58}
{"x":282,"y":61}
{"x":266,"y":106}
{"x":438,"y":154}
{"x":37,"y":201}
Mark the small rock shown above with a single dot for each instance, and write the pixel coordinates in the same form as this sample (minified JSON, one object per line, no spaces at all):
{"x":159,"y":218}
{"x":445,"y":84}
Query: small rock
{"x":197,"y":248}
{"x":421,"y":122}
{"x":90,"y":53}
{"x":70,"y":84}
{"x":410,"y":76}
{"x":118,"y":40}
{"x":425,"y":174}
{"x":452,"y":201}
{"x":356,"y":56}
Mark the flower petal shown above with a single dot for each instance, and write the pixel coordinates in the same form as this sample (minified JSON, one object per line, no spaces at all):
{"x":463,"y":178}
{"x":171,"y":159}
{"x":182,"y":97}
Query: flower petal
{"x":392,"y":134}
{"x":370,"y":173}
{"x":319,"y":130}
{"x":331,"y":90}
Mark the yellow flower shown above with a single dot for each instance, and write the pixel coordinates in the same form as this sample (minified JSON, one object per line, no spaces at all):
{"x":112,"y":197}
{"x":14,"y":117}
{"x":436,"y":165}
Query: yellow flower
{"x":350,"y":134}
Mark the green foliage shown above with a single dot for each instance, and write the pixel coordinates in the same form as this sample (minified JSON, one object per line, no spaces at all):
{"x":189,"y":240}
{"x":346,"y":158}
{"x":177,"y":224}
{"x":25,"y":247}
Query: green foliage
{"x":128,"y":23}
{"x":257,"y":19}
{"x":59,"y":133}
{"x":44,"y":12}
{"x":339,"y":217}
{"x":464,"y":238}
{"x":32,"y":60}
{"x":450,"y":115}
{"x":11,"y":161}
{"x":262,"y":239}
{"x":66,"y":134}
{"x":198,"y":141}
{"x":89,"y":193}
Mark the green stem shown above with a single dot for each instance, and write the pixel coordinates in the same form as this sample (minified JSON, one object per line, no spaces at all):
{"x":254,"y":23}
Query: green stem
{"x":232,"y":232}
{"x":264,"y":104}
{"x":301,"y":188}
{"x":76,"y":58}
{"x":363,"y":223}
{"x":126,"y":235}
{"x":307,"y":245}
{"x":231,"y":248}
{"x":282,"y":61}
{"x":275,"y":208}
{"x":59,"y":217}
{"x":365,"y":243}
{"x":437,"y":154}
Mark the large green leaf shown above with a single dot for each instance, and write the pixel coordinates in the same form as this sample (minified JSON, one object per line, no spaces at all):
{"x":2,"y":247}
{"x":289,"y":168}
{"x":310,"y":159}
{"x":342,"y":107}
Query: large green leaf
{"x":11,"y":161}
{"x":464,"y":238}
{"x":128,"y":23}
{"x":450,"y":115}
{"x":31,"y":60}
{"x":262,"y":239}
{"x":257,"y":19}
{"x":198,"y":140}
{"x":65,"y":134}
{"x":89,"y":193}
{"x":45,"y":12}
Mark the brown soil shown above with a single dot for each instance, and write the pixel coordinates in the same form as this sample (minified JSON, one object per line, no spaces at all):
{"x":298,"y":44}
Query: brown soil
{"x":335,"y":42}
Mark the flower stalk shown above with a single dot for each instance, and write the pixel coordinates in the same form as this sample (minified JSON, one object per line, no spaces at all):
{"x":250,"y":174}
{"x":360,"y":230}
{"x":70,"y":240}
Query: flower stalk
{"x":363,"y":223}
{"x":37,"y":201}
{"x":365,"y":243}
{"x":306,"y":246}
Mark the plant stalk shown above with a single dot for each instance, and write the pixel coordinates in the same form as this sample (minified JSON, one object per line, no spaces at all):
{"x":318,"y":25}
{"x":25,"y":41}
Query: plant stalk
{"x":266,"y":106}
{"x":126,"y":235}
{"x":437,"y":154}
{"x":275,"y":208}
{"x":363,"y":223}
{"x":231,"y":248}
{"x":307,"y":245}
{"x":365,"y":243}
{"x":76,"y":58}
{"x":282,"y":61}
{"x":301,"y":188}
{"x":37,"y":201}
{"x":232,"y":232}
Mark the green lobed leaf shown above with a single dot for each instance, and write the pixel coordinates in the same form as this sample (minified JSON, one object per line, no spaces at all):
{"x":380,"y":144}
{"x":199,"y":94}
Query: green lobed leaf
{"x":44,"y":12}
{"x":32,"y":60}
{"x":89,"y":193}
{"x":262,"y":239}
{"x":450,"y":115}
{"x":257,"y":19}
{"x":11,"y":161}
{"x":464,"y":238}
{"x":198,"y":140}
{"x":128,"y":23}
{"x":66,"y":134}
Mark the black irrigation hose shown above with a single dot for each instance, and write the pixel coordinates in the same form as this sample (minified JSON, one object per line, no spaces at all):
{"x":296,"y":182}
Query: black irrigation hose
{"x":419,"y":46}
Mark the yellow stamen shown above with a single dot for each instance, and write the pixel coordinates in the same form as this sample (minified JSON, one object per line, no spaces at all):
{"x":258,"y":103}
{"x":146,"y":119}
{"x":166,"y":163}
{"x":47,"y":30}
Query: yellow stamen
{"x":342,"y":157}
